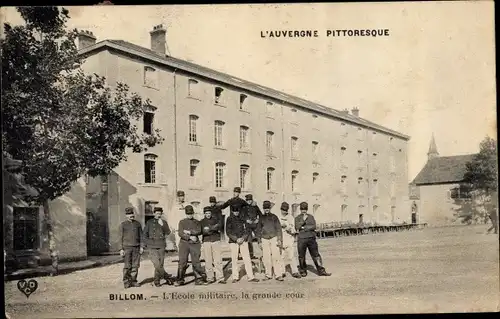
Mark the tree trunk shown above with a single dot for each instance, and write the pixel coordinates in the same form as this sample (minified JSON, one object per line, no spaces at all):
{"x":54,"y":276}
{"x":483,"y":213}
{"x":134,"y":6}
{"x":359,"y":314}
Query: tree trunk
{"x":54,"y":256}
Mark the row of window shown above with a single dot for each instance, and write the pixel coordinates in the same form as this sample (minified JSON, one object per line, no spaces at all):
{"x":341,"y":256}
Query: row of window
{"x":151,"y":80}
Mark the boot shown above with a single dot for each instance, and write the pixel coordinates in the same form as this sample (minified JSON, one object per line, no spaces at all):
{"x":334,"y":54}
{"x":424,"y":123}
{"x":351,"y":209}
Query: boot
{"x":302,"y":267}
{"x":318,"y":262}
{"x":181,"y":272}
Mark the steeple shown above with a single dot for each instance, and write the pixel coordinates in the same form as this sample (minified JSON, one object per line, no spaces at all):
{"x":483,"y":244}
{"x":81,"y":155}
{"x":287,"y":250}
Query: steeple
{"x":433,"y":151}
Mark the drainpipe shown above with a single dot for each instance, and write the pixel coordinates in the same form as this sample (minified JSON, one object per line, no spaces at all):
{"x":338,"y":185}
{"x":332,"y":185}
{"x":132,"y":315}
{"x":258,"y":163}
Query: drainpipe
{"x":176,"y":183}
{"x":282,"y":154}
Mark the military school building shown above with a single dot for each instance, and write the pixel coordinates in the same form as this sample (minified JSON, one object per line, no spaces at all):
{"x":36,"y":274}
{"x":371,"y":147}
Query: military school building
{"x":221,"y":131}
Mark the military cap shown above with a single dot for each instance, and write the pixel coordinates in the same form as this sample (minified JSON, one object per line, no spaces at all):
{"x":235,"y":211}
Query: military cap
{"x":266,"y":204}
{"x":212,"y":199}
{"x":285,"y":206}
{"x":189,"y":210}
{"x":180,"y":193}
{"x":304,"y":206}
{"x":237,"y":189}
{"x":158,"y":209}
{"x":129,"y":211}
{"x":248,"y":197}
{"x":207,"y":209}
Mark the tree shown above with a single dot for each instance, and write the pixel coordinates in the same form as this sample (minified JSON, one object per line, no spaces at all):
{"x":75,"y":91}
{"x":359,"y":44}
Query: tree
{"x":59,"y":122}
{"x":482,"y":177}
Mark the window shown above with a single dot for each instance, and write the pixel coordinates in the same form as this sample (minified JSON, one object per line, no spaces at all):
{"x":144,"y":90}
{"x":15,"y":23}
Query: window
{"x":343,"y":184}
{"x":374,"y":209}
{"x":193,"y":128}
{"x":360,"y":158}
{"x":343,"y":129}
{"x":244,"y":138}
{"x":193,"y":88}
{"x":269,"y":109}
{"x":150,"y":168}
{"x":293,"y":117}
{"x":269,"y":142}
{"x":374,"y":136}
{"x":392,"y":189}
{"x":343,"y":212}
{"x":315,"y":208}
{"x":315,"y":151}
{"x":148,"y":120}
{"x":375,"y":161}
{"x":243,"y":98}
{"x":342,"y":150}
{"x":393,"y":213}
{"x":295,"y":176}
{"x":193,"y":171}
{"x":461,"y":192}
{"x":360,"y":186}
{"x":220,"y":169}
{"x":244,"y":176}
{"x":25,"y":228}
{"x":218,"y":133}
{"x":294,"y":147}
{"x":343,"y":161}
{"x":375,"y":188}
{"x":392,"y":163}
{"x":149,"y":207}
{"x":360,"y":134}
{"x":270,"y":179}
{"x":150,"y":77}
{"x":315,"y":181}
{"x":218,"y":95}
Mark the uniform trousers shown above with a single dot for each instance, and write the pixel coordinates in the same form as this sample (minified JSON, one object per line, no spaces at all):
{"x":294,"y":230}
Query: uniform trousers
{"x":271,"y":257}
{"x":213,"y":260}
{"x":304,"y":244}
{"x":288,"y":254}
{"x":157,"y":256}
{"x":131,"y":262}
{"x":187,"y":249}
{"x":245,"y":255}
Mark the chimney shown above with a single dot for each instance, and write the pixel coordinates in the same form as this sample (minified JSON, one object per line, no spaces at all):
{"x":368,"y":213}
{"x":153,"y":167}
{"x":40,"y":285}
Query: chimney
{"x":85,"y":39}
{"x":159,"y":39}
{"x":355,"y":111}
{"x":345,"y":111}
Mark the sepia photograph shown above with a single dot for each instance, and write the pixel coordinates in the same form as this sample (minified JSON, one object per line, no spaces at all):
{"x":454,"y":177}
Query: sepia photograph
{"x":249,"y":159}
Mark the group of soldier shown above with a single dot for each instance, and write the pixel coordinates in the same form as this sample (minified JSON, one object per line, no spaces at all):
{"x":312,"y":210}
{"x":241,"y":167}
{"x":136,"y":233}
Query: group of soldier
{"x":279,"y":237}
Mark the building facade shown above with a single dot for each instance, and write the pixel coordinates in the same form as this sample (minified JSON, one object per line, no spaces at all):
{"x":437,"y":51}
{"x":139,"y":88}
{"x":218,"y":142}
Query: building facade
{"x":221,"y":132}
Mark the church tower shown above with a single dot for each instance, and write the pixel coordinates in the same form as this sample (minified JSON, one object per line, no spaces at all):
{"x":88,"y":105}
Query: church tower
{"x":433,"y":152}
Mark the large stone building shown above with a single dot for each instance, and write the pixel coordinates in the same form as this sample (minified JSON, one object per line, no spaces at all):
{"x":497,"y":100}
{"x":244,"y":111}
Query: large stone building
{"x":221,"y":131}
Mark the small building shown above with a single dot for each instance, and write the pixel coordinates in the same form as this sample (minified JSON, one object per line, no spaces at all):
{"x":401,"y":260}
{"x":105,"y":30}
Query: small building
{"x":439,"y":191}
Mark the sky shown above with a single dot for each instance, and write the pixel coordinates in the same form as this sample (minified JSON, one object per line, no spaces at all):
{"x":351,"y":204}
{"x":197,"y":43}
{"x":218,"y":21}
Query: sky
{"x":433,"y":74}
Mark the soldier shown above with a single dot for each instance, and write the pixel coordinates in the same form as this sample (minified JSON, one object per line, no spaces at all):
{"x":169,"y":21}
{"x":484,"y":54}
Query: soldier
{"x":217,"y":213}
{"x":155,"y":233}
{"x":272,"y":238}
{"x":305,"y":224}
{"x":235,"y":203}
{"x":237,"y":231}
{"x":211,"y":230}
{"x":252,"y":215}
{"x":176,"y":215}
{"x":288,"y":246}
{"x":189,"y":245}
{"x":131,"y":249}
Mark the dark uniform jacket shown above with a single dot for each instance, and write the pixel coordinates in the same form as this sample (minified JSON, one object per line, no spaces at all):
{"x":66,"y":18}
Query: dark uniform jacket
{"x":130,"y":234}
{"x":307,"y":227}
{"x":214,"y":229}
{"x":235,"y":204}
{"x":270,"y":227}
{"x":216,"y":211}
{"x":251,"y":212}
{"x":194,"y":226}
{"x":155,"y":234}
{"x":236,"y":227}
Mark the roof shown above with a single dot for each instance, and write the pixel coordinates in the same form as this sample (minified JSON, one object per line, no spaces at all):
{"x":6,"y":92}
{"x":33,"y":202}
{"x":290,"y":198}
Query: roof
{"x":145,"y":53}
{"x":445,"y":169}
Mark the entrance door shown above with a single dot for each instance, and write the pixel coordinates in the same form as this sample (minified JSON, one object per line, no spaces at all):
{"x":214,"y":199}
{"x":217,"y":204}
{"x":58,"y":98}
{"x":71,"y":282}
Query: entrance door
{"x":413,"y":218}
{"x":361,"y":218}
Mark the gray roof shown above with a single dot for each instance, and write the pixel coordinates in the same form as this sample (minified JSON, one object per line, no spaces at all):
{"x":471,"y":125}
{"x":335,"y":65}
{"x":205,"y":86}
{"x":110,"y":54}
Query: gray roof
{"x":445,"y":169}
{"x":199,"y":70}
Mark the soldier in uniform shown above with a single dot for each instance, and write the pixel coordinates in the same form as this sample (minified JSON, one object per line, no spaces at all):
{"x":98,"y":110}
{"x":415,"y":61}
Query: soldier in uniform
{"x":305,"y":224}
{"x":189,"y":245}
{"x":272,"y":238}
{"x":252,"y":215}
{"x":236,"y":203}
{"x":237,"y":232}
{"x":131,"y":249}
{"x":217,"y":213}
{"x":288,"y":247}
{"x":155,"y":233}
{"x":211,"y":230}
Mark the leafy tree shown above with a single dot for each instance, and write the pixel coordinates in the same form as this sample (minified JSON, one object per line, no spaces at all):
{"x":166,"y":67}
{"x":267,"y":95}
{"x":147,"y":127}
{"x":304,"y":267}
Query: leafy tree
{"x":59,"y":122}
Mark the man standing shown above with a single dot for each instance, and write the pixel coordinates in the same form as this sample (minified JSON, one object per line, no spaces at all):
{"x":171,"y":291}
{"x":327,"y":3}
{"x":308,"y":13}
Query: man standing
{"x":189,"y":245}
{"x":131,"y":249}
{"x":252,"y":215}
{"x":235,"y":203}
{"x":217,"y":213}
{"x":155,"y":233}
{"x":494,"y":221}
{"x":211,"y":229}
{"x":237,"y":231}
{"x":288,"y":246}
{"x":176,"y":215}
{"x":272,"y":238}
{"x":305,"y":224}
